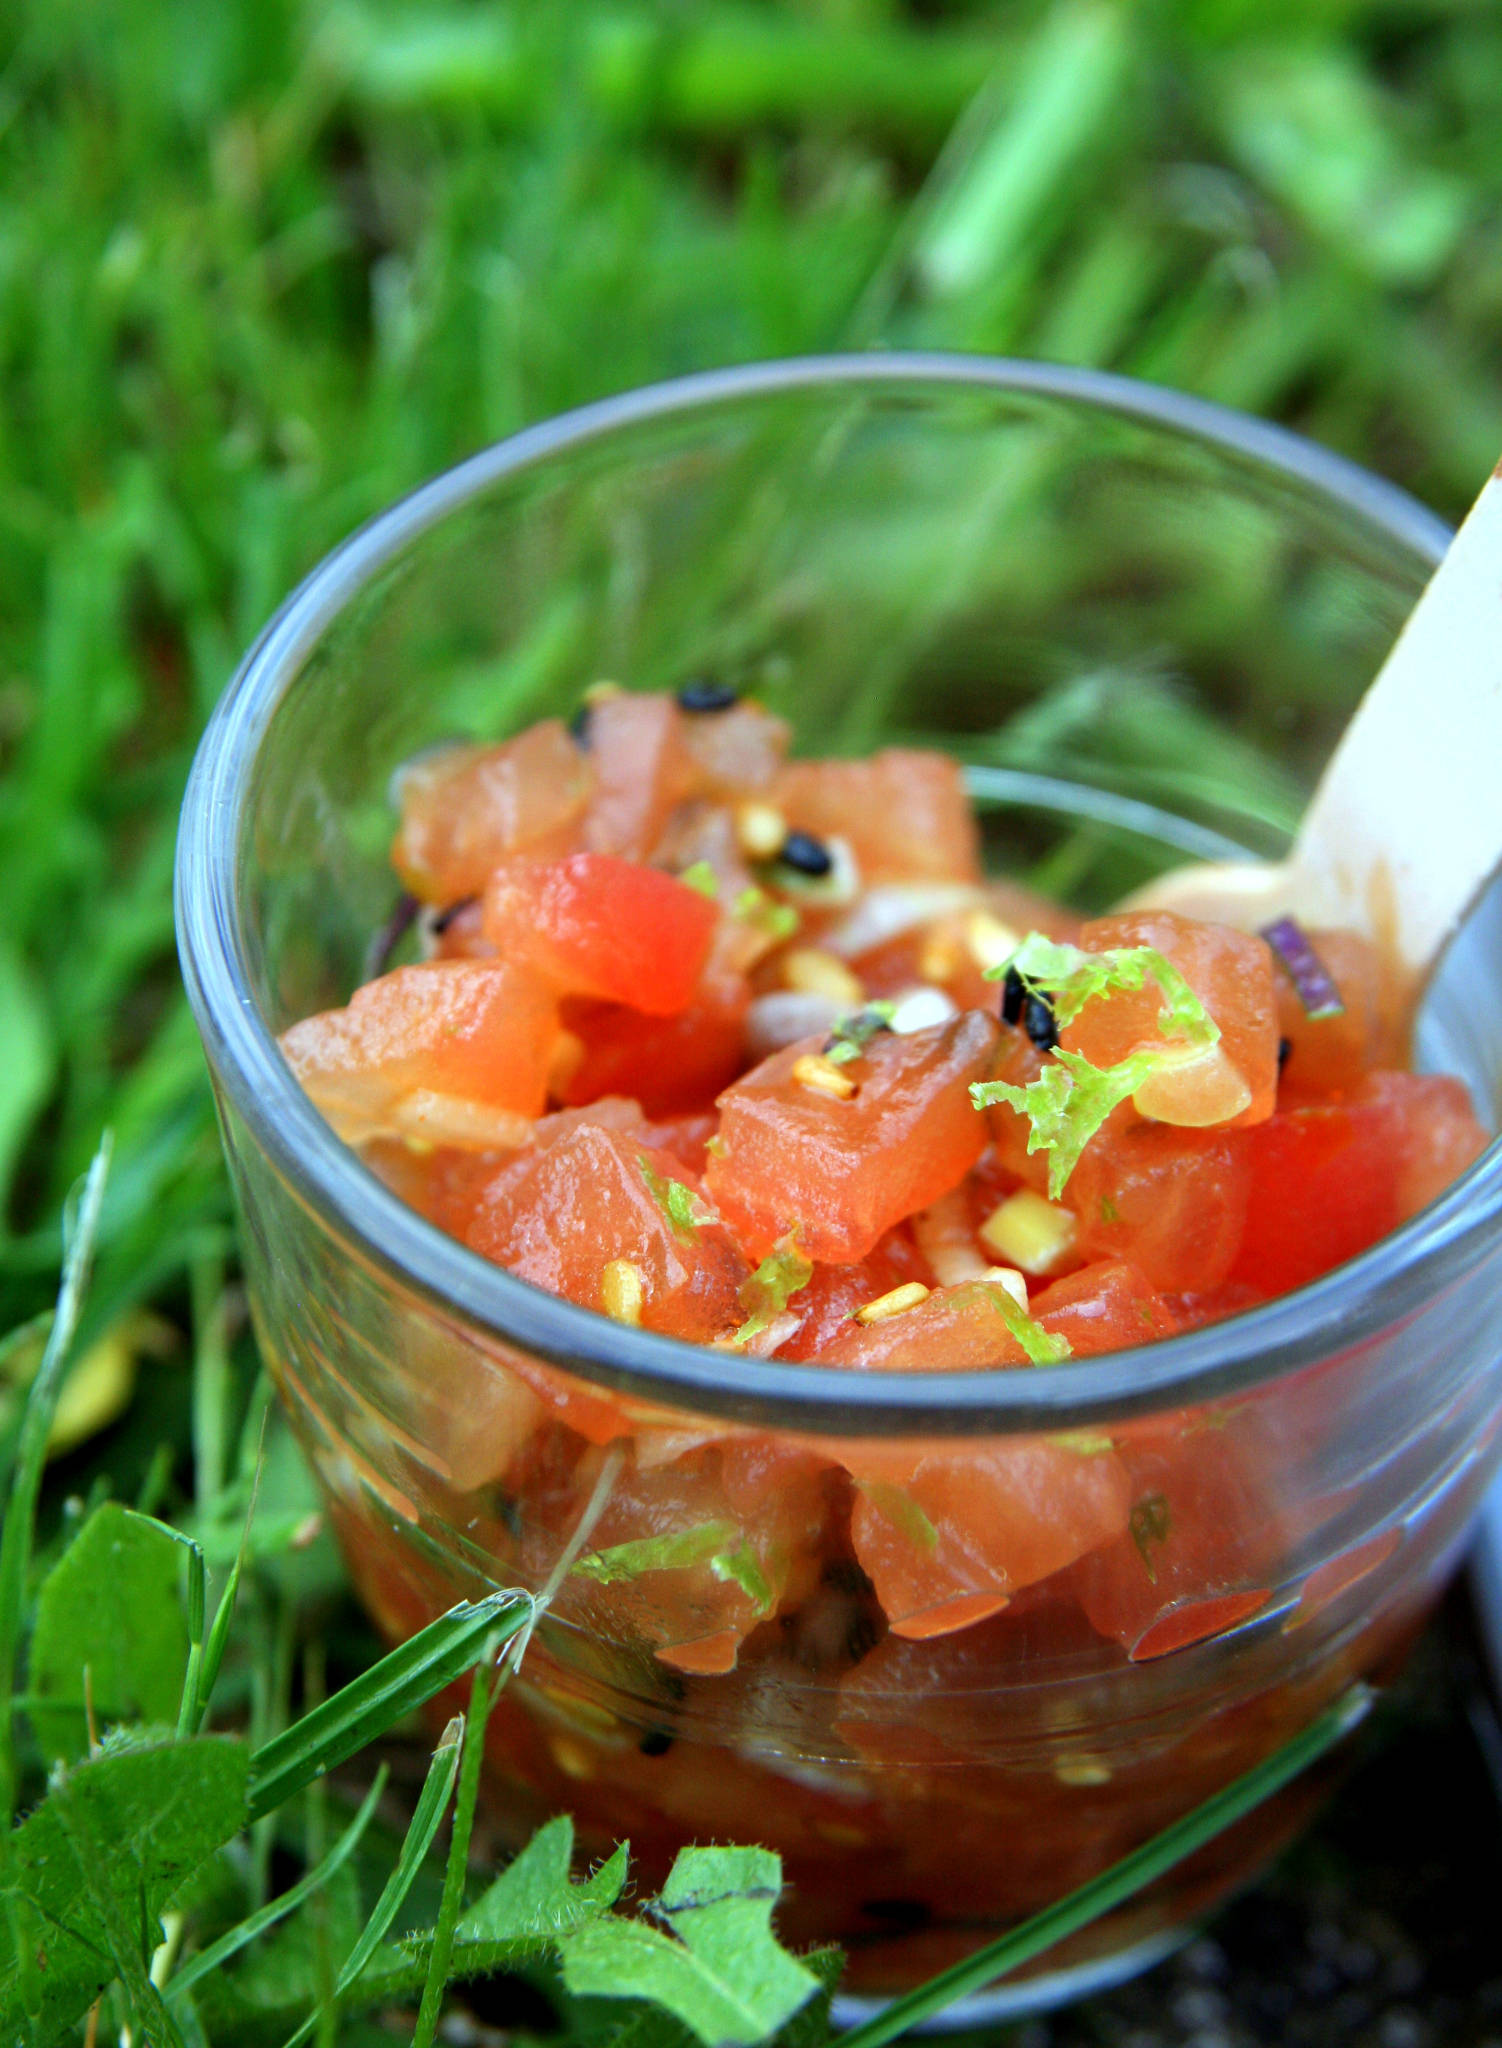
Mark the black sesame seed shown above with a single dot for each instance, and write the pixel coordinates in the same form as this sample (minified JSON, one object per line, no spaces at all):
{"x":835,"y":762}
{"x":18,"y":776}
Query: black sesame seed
{"x":1040,"y":1023}
{"x":1012,"y":996}
{"x":806,"y":855}
{"x":656,"y":1742}
{"x":1285,"y":1047}
{"x":440,"y":924}
{"x":703,"y":694}
{"x":578,"y":725}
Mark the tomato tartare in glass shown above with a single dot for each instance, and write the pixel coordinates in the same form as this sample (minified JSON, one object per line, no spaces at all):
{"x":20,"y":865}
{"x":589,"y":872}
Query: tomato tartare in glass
{"x":747,"y":1050}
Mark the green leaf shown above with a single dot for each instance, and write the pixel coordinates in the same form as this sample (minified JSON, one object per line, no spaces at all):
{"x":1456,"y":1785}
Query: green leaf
{"x":673,"y":1552}
{"x":240,"y":1936}
{"x":535,"y":1899}
{"x":1067,"y":1105}
{"x":1043,"y":1347}
{"x":80,"y":1223}
{"x":702,"y":877}
{"x":110,"y":1605}
{"x":781,"y":1274}
{"x":722,"y":1971}
{"x":111,"y":1843}
{"x":363,"y":1709}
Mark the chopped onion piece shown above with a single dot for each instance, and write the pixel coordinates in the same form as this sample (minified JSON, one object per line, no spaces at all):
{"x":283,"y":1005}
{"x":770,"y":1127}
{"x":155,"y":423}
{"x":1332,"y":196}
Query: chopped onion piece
{"x":889,"y":909}
{"x":916,"y":1009}
{"x":785,"y":1016}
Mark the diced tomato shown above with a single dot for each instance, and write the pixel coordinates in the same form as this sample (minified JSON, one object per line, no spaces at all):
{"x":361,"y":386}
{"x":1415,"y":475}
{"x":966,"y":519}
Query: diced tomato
{"x":595,"y":925}
{"x":1231,"y":972}
{"x":1327,"y":1180}
{"x":1201,"y":1531}
{"x":1330,"y":1055}
{"x":671,"y":1065}
{"x":467,"y":808}
{"x":903,"y":813}
{"x":482,"y":1031}
{"x":833,"y":1294}
{"x":558,"y":1214}
{"x":642,"y":769}
{"x":1171,"y":1201}
{"x":1105,"y":1307}
{"x":844,"y":1171}
{"x":745,"y":1517}
{"x":735,"y":752}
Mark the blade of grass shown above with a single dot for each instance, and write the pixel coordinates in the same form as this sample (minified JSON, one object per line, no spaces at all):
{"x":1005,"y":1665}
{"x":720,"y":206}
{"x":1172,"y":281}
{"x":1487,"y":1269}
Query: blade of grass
{"x":238,"y":1937}
{"x":31,"y":1453}
{"x":1131,"y":1875}
{"x":481,"y":1694}
{"x":431,"y":1803}
{"x":368,"y":1705}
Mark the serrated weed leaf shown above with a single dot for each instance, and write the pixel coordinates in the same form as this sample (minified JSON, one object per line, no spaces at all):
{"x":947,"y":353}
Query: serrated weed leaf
{"x":111,"y":1606}
{"x":535,"y":1898}
{"x":721,"y":1971}
{"x":138,"y":1818}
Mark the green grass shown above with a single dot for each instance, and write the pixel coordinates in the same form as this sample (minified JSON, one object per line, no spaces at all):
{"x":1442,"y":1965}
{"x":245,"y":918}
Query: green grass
{"x":263,"y":266}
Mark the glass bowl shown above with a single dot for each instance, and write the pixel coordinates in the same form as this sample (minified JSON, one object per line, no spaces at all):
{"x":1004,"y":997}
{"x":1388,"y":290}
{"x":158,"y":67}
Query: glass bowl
{"x":1140,"y":622}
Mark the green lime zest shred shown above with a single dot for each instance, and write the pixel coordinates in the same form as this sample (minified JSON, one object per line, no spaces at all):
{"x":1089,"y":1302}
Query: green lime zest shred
{"x":1070,"y":1100}
{"x":776,"y":1280}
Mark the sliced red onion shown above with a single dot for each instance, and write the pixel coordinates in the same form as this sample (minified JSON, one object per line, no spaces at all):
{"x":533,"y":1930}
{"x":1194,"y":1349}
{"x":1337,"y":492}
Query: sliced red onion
{"x":1312,"y":980}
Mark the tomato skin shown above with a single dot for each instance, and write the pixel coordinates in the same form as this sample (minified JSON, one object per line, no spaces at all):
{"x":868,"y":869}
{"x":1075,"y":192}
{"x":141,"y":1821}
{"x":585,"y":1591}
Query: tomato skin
{"x":596,"y":925}
{"x":844,"y":1171}
{"x":467,"y":808}
{"x":1109,"y":1306}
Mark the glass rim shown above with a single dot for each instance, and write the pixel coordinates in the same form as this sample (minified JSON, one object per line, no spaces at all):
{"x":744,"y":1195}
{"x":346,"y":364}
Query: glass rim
{"x":1336,"y":1312}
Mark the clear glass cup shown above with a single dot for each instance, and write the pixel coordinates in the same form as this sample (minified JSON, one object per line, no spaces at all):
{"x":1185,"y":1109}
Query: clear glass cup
{"x":1141,"y":622}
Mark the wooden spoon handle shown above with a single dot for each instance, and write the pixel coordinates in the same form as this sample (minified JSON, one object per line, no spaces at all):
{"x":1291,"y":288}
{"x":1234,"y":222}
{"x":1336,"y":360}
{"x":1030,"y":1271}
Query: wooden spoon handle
{"x":1406,"y":825}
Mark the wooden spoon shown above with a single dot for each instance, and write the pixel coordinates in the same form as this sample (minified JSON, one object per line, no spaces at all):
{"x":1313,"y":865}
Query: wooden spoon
{"x":1405,"y":827}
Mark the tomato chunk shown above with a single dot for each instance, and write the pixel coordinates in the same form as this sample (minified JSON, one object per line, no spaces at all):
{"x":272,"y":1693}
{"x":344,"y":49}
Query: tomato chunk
{"x":642,"y":769}
{"x":1236,"y":1080}
{"x":467,"y":808}
{"x":903,"y":813}
{"x":477,"y":1031}
{"x":844,"y":1171}
{"x":595,"y":925}
{"x":559,"y":1214}
{"x":1172,"y":1202}
{"x":1327,"y":1180}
